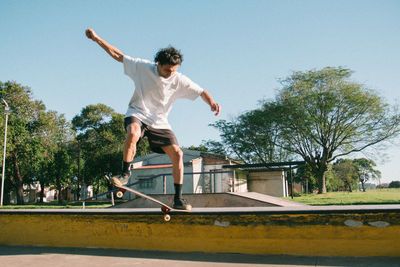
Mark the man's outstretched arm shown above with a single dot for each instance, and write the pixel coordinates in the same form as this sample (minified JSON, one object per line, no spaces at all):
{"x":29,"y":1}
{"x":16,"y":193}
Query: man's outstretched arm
{"x":210,"y":101}
{"x":111,"y":50}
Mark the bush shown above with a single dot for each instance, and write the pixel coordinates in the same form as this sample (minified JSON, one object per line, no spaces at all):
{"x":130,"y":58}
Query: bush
{"x":296,"y":193}
{"x":394,"y":184}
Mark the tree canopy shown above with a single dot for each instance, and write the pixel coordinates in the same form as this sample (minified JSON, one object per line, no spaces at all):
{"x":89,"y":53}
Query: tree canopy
{"x":252,"y":137}
{"x":318,"y":115}
{"x":34,"y":136}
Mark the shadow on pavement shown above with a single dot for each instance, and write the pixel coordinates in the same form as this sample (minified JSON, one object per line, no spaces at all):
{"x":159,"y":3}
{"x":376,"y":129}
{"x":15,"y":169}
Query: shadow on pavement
{"x":288,"y":260}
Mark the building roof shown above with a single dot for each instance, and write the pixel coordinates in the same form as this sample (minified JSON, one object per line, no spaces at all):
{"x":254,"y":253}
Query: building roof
{"x":187,"y":152}
{"x":265,"y":167}
{"x":159,"y":166}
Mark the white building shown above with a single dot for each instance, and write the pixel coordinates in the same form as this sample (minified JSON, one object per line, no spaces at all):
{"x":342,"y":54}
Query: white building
{"x":203,"y":174}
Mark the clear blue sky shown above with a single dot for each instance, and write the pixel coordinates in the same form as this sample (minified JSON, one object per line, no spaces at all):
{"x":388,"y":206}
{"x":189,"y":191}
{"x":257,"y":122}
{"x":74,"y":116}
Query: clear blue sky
{"x":235,"y":49}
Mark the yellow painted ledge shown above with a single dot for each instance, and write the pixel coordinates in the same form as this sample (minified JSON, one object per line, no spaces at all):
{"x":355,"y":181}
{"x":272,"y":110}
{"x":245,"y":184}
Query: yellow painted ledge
{"x":333,"y":233}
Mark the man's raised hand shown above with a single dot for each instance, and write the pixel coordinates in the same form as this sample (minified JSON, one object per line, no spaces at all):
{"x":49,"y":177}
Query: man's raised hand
{"x":216,"y":108}
{"x":90,"y":33}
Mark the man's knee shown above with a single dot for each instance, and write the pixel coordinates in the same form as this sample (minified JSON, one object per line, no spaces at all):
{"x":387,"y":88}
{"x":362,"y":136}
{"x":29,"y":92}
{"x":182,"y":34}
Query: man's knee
{"x":175,"y":152}
{"x":133,"y":133}
{"x":178,"y":152}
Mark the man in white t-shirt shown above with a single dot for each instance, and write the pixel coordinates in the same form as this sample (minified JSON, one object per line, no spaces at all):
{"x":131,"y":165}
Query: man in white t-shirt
{"x":157,"y":86}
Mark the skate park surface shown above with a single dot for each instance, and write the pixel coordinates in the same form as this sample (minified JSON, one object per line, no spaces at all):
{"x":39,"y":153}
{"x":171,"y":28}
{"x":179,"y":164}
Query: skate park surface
{"x":22,"y":256}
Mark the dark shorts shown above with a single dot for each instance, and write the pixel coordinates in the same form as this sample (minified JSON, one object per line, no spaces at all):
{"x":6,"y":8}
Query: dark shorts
{"x":157,"y":137}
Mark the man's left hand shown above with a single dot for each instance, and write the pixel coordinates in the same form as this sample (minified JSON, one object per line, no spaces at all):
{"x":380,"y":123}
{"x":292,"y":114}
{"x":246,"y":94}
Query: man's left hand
{"x":215,"y":108}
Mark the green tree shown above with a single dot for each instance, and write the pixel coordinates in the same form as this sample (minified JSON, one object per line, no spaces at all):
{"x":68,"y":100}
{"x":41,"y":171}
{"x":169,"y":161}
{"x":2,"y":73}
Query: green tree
{"x":346,"y":172}
{"x":305,"y":175}
{"x":394,"y":184}
{"x":101,"y":136}
{"x":365,"y":171}
{"x":252,"y":137}
{"x":326,"y":116}
{"x":214,"y":147}
{"x":32,"y":137}
{"x":332,"y":181}
{"x":56,"y":135}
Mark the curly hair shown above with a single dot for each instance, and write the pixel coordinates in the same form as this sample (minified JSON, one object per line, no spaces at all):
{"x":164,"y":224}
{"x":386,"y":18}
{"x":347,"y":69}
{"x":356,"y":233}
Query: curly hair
{"x":169,"y":55}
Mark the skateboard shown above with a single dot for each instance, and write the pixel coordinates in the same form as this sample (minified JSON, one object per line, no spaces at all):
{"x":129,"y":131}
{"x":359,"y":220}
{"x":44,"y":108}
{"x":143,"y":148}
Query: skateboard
{"x":165,"y":209}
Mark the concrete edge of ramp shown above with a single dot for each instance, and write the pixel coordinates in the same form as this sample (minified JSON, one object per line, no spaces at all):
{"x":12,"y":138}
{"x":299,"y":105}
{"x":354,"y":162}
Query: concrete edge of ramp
{"x":269,"y":199}
{"x":363,"y":231}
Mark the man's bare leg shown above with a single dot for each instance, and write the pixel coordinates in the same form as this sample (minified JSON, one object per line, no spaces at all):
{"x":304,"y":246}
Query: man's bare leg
{"x":176,"y":156}
{"x":132,"y":137}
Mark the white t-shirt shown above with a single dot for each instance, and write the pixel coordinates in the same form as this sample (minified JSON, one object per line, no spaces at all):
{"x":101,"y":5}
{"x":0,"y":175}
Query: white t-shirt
{"x":154,"y":95}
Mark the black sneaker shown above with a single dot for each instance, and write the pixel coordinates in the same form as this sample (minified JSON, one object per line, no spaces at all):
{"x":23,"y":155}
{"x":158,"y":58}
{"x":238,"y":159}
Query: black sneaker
{"x":181,"y":204}
{"x":125,"y":175}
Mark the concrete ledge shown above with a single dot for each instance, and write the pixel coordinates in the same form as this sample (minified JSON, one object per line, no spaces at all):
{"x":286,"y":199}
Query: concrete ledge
{"x":361,"y":231}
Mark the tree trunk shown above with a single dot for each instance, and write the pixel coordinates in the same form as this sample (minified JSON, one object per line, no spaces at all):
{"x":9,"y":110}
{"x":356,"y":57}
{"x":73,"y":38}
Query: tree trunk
{"x":59,"y":196}
{"x":306,"y":186}
{"x":349,"y":186}
{"x":6,"y":198}
{"x":319,"y":166}
{"x":321,"y":182}
{"x":19,"y":186}
{"x":20,"y":195}
{"x":322,"y":168}
{"x":41,"y":194}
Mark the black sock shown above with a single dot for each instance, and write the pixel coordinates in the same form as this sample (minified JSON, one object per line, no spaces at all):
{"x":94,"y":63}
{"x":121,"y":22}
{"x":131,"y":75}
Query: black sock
{"x":126,"y":167}
{"x":178,"y":191}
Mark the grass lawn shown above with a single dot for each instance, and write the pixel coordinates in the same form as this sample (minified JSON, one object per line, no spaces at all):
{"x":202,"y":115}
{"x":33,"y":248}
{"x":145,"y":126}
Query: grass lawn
{"x":377,"y":196}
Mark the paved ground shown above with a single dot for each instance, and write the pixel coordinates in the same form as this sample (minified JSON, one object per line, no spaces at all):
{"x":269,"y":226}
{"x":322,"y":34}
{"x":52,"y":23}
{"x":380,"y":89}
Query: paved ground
{"x":14,"y":256}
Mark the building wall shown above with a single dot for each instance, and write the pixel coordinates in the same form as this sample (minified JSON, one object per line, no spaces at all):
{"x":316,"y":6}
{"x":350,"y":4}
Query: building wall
{"x":156,"y":185}
{"x":198,"y":185}
{"x":269,"y":183}
{"x":219,"y":182}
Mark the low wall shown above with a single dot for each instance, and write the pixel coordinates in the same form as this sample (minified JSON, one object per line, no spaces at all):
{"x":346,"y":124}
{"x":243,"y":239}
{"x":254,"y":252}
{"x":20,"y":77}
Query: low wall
{"x":315,"y":231}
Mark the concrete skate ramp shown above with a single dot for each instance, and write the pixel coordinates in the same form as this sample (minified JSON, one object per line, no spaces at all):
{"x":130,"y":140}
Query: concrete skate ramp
{"x":247,"y":199}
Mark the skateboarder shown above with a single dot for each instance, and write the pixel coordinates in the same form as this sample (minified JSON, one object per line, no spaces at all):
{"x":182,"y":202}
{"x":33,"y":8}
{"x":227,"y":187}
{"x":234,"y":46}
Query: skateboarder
{"x":157,"y":86}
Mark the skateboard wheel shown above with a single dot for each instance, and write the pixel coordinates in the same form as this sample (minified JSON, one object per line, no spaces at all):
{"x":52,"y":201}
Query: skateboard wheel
{"x":167,"y":217}
{"x":120,"y":194}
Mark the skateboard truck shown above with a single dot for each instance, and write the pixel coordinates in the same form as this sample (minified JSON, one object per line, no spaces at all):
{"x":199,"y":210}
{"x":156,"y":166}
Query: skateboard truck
{"x":165,"y":211}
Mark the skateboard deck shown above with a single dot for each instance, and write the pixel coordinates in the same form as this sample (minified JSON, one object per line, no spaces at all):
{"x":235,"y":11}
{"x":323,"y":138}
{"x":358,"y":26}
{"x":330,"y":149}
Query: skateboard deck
{"x":165,"y":209}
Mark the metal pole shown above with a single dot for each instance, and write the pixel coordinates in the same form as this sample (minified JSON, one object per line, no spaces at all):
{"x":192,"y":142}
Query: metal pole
{"x":213,"y":181}
{"x":291,"y":179}
{"x":6,"y":110}
{"x":112,"y":199}
{"x":164,"y":184}
{"x":233,"y":184}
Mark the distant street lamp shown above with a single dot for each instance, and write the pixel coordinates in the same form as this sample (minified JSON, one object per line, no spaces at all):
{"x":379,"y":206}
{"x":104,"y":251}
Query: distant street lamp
{"x":6,"y":111}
